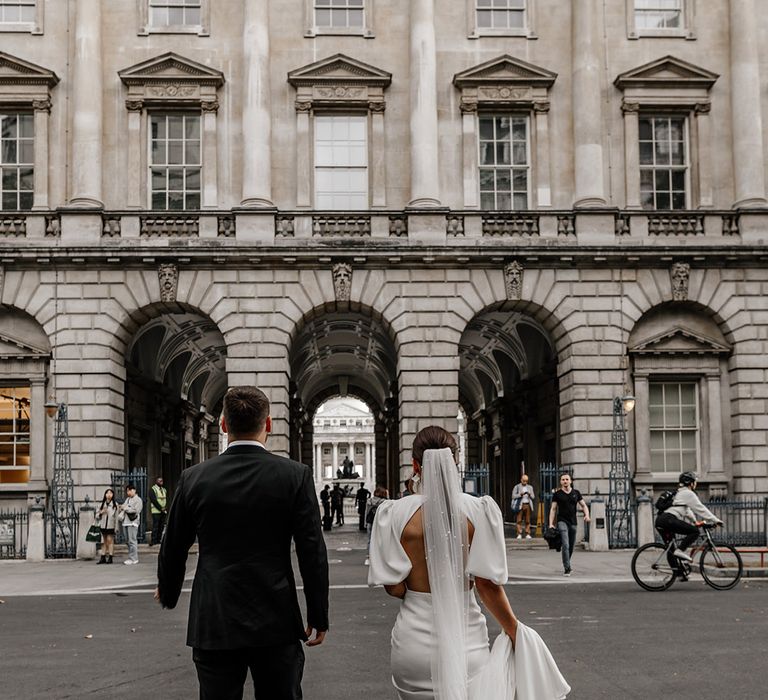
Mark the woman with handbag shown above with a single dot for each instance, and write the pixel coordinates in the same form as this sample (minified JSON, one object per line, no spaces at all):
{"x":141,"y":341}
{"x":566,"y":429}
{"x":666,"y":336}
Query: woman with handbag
{"x":106,"y":518}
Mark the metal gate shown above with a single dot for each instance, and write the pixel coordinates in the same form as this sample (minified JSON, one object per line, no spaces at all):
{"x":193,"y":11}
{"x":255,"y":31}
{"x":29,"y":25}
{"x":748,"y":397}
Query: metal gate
{"x":549,"y":482}
{"x":474,"y":480}
{"x":138,"y":478}
{"x":13,"y":534}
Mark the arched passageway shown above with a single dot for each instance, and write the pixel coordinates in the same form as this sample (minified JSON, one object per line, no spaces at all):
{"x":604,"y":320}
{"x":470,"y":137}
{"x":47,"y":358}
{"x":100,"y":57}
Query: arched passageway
{"x":345,"y":352}
{"x":508,"y":390}
{"x":175,"y":383}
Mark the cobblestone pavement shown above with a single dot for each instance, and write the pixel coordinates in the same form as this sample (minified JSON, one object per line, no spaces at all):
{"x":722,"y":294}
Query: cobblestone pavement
{"x":611,"y":639}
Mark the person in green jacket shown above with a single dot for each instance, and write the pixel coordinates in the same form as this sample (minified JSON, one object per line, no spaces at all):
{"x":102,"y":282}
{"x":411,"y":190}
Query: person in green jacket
{"x":158,"y":500}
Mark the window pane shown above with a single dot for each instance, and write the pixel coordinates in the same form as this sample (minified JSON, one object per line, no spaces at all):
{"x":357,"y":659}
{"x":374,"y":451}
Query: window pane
{"x":323,"y":18}
{"x":503,"y":181}
{"x":193,"y":200}
{"x":158,"y":200}
{"x":486,"y":180}
{"x":486,"y":129}
{"x":175,"y":127}
{"x":503,"y":201}
{"x":26,"y":125}
{"x":158,"y":152}
{"x":483,"y":18}
{"x":678,"y":200}
{"x":192,"y":179}
{"x":519,"y":154}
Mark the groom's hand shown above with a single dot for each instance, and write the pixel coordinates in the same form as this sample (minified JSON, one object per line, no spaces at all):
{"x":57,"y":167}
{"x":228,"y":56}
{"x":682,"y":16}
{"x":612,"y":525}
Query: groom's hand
{"x":318,"y":639}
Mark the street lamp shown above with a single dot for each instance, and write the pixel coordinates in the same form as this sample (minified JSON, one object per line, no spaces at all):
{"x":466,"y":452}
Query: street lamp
{"x":620,"y":525}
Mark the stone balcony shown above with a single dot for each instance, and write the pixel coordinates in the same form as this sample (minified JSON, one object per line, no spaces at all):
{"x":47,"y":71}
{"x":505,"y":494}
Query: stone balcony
{"x":440,"y":230}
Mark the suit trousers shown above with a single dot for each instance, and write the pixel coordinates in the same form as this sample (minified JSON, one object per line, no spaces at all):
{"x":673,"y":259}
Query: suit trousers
{"x":276,"y":672}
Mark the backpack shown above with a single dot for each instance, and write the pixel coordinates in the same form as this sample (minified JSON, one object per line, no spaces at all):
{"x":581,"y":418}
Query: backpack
{"x":371,"y":514}
{"x":665,"y":501}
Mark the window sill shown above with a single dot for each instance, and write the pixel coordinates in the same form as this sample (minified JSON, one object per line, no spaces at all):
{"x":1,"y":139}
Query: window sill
{"x":363,"y":32}
{"x":20,"y":27}
{"x":491,"y":33}
{"x":662,"y":34}
{"x":197,"y":29}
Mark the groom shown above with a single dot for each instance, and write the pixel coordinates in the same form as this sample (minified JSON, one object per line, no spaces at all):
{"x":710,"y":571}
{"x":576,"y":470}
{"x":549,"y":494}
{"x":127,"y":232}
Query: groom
{"x":244,"y":507}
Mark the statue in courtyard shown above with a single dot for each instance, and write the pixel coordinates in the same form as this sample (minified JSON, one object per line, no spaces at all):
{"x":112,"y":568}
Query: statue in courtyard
{"x":348,"y":471}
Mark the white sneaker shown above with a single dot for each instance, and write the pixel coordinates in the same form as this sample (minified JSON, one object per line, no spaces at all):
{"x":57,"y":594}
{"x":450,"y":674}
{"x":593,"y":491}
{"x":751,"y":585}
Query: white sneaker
{"x":519,"y":537}
{"x":367,"y":562}
{"x":527,"y":537}
{"x":680,"y":554}
{"x":128,"y":562}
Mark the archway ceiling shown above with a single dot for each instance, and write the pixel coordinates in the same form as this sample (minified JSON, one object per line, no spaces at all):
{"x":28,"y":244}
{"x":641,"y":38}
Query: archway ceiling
{"x":187,"y":339}
{"x":497,"y":351}
{"x":340,"y":350}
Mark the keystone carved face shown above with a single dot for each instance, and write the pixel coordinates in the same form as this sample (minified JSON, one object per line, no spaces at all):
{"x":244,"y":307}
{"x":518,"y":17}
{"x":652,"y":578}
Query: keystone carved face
{"x":168,"y":275}
{"x":513,"y":280}
{"x":680,"y":274}
{"x":342,"y":281}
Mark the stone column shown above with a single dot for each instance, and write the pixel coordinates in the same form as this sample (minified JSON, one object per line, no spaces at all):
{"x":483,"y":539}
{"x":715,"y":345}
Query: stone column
{"x":704,"y":140}
{"x":587,"y":106}
{"x":632,"y":154}
{"x":210,"y":164}
{"x":335,"y":458}
{"x":318,"y":462}
{"x":543,"y":176}
{"x":368,"y":460}
{"x":425,"y":182}
{"x":303,"y":159}
{"x":642,"y":426}
{"x":36,"y":533}
{"x":746,"y":112}
{"x":85,"y":549}
{"x":715,"y":427}
{"x":87,"y":106}
{"x":42,"y":115}
{"x":378,"y":155}
{"x":134,"y":198}
{"x":469,"y":153}
{"x":257,"y":124}
{"x":38,"y":429}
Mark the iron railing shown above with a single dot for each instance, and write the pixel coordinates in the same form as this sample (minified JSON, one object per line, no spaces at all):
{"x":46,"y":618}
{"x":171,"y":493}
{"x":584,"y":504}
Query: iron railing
{"x":138,"y":477}
{"x":61,"y":534}
{"x":475,"y":479}
{"x":14,"y":526}
{"x":745,"y":521}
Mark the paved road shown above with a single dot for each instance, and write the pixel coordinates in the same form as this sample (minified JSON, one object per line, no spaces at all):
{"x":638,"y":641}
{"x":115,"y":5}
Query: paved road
{"x":612,"y":640}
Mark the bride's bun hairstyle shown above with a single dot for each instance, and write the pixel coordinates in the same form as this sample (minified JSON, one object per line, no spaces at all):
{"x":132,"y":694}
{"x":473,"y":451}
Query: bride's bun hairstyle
{"x":432,"y":437}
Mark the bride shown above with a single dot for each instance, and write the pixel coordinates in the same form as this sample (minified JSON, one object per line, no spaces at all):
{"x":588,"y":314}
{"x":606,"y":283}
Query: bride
{"x":433,"y":550}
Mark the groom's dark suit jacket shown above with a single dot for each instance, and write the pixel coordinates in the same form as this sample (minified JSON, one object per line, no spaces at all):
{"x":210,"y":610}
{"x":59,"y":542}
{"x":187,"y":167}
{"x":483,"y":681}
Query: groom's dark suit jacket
{"x":244,"y":507}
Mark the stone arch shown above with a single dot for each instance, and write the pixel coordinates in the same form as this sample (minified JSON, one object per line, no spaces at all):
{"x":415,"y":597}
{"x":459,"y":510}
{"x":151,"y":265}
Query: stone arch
{"x":175,"y":366}
{"x":340,"y":349}
{"x":509,"y":389}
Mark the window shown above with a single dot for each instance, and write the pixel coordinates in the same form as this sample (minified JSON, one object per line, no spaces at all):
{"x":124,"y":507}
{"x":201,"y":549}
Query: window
{"x":326,"y":450}
{"x":16,"y":161}
{"x":673,"y":422}
{"x":341,"y":162}
{"x":359,"y":450}
{"x":500,"y":14}
{"x":17,"y":11}
{"x":343,"y":421}
{"x":340,"y":14}
{"x":658,"y":14}
{"x":175,"y":161}
{"x":175,"y":13}
{"x":504,"y":162}
{"x":359,"y":423}
{"x":14,"y":435}
{"x":342,"y":450}
{"x":326,"y":423}
{"x":663,"y":162}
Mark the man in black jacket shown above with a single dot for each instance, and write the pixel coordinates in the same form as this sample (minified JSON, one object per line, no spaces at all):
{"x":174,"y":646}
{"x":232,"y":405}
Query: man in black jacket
{"x":244,"y":507}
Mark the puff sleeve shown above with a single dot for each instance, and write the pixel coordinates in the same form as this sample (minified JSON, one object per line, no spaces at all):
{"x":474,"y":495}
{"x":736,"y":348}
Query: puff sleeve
{"x":488,"y":553}
{"x":389,"y":564}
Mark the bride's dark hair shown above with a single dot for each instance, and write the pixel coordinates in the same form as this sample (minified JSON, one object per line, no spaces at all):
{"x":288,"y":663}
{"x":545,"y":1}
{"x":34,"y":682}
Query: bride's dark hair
{"x":432,"y":437}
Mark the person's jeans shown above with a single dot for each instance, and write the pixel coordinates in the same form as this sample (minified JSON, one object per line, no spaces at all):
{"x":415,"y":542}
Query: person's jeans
{"x":276,"y":672}
{"x":132,"y":540}
{"x":568,"y":538}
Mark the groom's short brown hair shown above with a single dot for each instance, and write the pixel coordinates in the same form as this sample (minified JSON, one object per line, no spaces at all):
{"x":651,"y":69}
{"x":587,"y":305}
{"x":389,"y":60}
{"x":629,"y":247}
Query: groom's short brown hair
{"x":245,"y":409}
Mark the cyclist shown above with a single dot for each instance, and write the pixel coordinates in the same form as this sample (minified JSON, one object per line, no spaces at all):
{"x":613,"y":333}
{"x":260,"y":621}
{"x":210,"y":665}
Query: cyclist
{"x":681,"y":518}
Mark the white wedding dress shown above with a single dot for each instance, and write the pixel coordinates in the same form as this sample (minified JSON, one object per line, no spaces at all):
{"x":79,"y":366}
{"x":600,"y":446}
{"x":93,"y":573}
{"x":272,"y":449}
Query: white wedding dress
{"x":440,"y":647}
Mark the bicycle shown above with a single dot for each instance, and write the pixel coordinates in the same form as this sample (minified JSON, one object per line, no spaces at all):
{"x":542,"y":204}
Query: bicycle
{"x":720,"y":565}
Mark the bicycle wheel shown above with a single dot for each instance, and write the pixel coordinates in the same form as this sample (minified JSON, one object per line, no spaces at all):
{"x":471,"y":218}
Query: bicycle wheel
{"x":651,"y":569}
{"x":721,"y":566}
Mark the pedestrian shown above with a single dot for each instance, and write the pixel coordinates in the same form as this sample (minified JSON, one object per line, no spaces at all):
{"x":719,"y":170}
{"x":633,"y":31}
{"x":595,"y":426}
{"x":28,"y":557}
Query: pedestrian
{"x":522,"y":502}
{"x":129,"y":515}
{"x":246,"y":507}
{"x":361,"y":499}
{"x":325,"y":499}
{"x":337,"y":504}
{"x":565,"y":501}
{"x":158,"y":500}
{"x":106,"y":518}
{"x":380,"y":494}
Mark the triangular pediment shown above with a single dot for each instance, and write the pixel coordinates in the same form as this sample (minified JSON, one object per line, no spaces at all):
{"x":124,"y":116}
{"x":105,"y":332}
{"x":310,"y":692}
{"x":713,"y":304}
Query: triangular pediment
{"x":11,"y":346}
{"x":679,"y":341}
{"x":667,"y":72}
{"x":18,"y":71}
{"x":339,"y":69}
{"x":170,"y":67}
{"x":505,"y":70}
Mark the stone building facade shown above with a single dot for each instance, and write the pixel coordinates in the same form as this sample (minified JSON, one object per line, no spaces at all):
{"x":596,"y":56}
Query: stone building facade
{"x":522,"y":210}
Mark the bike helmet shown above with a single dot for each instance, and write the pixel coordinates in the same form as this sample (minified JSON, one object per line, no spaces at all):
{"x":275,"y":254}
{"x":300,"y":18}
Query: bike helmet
{"x":687,"y":478}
